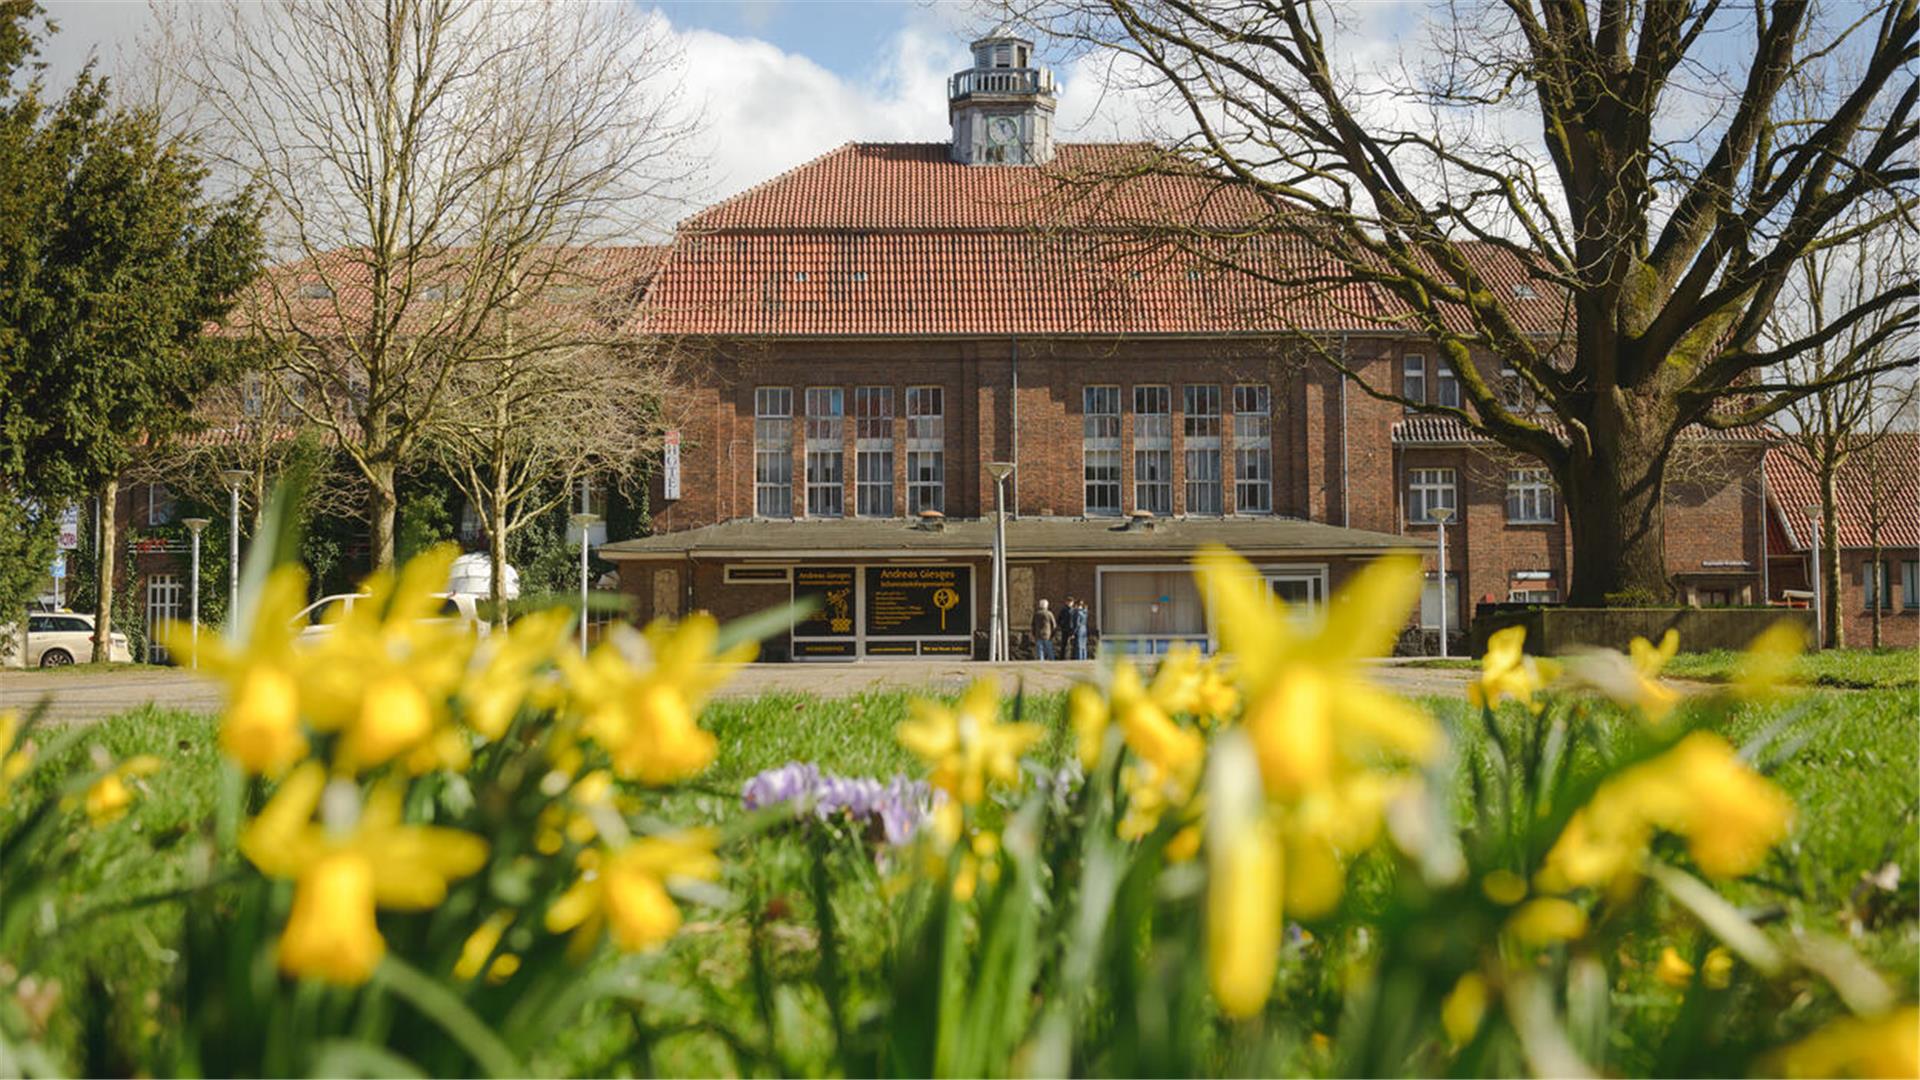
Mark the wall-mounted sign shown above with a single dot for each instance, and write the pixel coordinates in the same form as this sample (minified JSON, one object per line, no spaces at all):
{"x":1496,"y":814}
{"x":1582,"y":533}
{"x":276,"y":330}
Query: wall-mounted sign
{"x":830,"y":590}
{"x":670,"y":465}
{"x":919,"y":602}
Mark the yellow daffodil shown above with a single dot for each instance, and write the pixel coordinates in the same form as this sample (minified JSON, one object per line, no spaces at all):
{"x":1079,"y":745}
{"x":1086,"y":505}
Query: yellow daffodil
{"x":481,"y":945}
{"x":1243,"y":918}
{"x":1885,"y":1045}
{"x":383,"y":674}
{"x":1768,"y":660}
{"x":13,"y":762}
{"x":625,"y":891}
{"x":261,"y":729}
{"x":1673,"y":970}
{"x":1504,"y":887}
{"x":1699,"y":789}
{"x":360,"y":858}
{"x":646,"y":717}
{"x":1547,"y":921}
{"x":1653,"y":697}
{"x":505,"y":666}
{"x":1185,"y":682}
{"x":1507,"y":672}
{"x":108,"y":798}
{"x":968,"y":748}
{"x":1312,"y":714}
{"x":1089,"y":717}
{"x":1717,"y":970}
{"x":1463,"y":1008}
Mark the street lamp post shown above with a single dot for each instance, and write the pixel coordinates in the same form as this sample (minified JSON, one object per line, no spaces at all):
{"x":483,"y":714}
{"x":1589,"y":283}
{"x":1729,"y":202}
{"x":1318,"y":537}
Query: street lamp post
{"x":233,"y":479}
{"x":1441,"y":515}
{"x":584,"y":522}
{"x":1819,"y":578}
{"x":194,"y":526}
{"x":1000,"y":640}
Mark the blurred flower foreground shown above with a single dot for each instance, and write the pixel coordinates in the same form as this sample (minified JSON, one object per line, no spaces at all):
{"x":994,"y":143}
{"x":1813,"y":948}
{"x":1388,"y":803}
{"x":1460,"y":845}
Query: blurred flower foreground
{"x":436,"y":853}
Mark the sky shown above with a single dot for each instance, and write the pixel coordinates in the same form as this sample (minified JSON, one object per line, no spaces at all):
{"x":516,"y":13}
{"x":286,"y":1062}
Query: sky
{"x":778,"y":82}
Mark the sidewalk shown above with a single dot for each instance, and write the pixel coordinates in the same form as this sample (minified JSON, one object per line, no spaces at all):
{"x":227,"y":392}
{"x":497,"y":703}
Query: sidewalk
{"x":78,"y":694}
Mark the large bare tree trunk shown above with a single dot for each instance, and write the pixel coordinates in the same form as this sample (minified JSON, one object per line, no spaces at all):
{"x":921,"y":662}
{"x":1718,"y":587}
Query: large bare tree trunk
{"x":1830,"y":560}
{"x":1614,"y":507}
{"x":1879,"y":586}
{"x":382,"y":508}
{"x":103,"y":576}
{"x":497,"y":554}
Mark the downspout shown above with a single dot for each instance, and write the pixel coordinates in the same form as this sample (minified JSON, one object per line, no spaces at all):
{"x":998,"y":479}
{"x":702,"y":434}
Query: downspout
{"x":1766,"y":549}
{"x":1016,"y":425}
{"x":1346,"y":505}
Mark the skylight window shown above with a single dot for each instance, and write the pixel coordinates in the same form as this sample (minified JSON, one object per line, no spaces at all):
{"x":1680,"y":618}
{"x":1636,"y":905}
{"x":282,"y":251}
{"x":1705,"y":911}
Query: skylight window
{"x":800,"y":276}
{"x":315,"y":290}
{"x":859,"y":275}
{"x":1524,"y":291}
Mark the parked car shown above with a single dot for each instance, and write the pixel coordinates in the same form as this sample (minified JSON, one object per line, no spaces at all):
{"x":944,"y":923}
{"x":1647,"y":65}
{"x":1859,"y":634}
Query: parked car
{"x":313,"y":619}
{"x":56,"y":639}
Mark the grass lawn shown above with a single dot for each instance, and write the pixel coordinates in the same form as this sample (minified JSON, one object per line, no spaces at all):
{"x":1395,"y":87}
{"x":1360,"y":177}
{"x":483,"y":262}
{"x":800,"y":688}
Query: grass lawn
{"x":1843,"y":669}
{"x":1853,"y":779}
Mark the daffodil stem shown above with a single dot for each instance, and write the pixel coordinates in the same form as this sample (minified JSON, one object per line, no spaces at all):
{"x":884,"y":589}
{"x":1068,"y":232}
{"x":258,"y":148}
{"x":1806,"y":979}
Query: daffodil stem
{"x":829,"y":967}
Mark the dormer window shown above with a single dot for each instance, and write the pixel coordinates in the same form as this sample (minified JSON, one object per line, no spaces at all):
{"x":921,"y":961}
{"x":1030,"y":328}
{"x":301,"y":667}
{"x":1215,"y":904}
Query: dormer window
{"x":1524,"y":291}
{"x":314,"y":290}
{"x":1002,"y":56}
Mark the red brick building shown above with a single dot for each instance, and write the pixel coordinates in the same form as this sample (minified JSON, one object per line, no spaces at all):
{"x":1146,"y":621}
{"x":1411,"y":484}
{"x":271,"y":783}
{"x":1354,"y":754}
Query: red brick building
{"x":1881,"y":489}
{"x":882,"y":322}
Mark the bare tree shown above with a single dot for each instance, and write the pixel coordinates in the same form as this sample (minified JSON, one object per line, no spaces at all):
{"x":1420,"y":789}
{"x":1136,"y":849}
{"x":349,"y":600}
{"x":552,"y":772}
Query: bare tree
{"x":1607,"y":197}
{"x":1834,"y":431}
{"x":560,"y":394}
{"x":431,"y":164}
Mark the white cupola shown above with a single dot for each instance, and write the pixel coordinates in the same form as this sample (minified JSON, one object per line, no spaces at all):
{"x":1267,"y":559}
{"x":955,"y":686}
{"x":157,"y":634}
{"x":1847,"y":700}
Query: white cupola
{"x":1001,"y":108}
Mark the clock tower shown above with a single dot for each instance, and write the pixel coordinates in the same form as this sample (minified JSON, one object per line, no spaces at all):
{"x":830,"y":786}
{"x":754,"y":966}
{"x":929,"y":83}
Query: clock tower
{"x":1001,"y":108}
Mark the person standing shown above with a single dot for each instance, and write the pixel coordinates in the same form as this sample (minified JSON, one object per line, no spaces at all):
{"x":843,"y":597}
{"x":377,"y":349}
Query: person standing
{"x":1080,"y":616}
{"x":1043,"y":625}
{"x":1068,"y":613}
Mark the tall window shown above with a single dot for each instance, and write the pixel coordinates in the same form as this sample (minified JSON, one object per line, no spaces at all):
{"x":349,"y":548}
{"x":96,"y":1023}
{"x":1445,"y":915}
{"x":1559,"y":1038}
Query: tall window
{"x":163,"y":607}
{"x":1446,"y":386}
{"x":773,"y":451}
{"x":826,"y":451}
{"x":926,"y":449}
{"x":1252,"y":450}
{"x":1100,"y":448}
{"x":1202,"y":443}
{"x":1910,"y":584}
{"x":1153,"y":449}
{"x":159,"y":504}
{"x":1426,"y":489}
{"x":873,"y":451}
{"x":1529,"y":496}
{"x":1413,"y":379}
{"x":1876,"y":579}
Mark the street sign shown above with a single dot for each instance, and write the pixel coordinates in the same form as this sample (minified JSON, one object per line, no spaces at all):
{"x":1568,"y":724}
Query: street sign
{"x":70,"y":528}
{"x":670,"y":466}
{"x":60,"y":566}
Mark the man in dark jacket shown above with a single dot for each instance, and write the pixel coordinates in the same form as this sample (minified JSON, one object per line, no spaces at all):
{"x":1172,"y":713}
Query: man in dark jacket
{"x":1043,"y":625}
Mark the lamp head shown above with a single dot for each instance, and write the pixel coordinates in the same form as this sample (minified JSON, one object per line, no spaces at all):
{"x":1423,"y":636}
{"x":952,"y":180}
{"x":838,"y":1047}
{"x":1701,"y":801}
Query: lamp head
{"x":194,"y":525}
{"x":1000,"y":470}
{"x":233,"y":478}
{"x":1441,"y":514}
{"x":1811,"y":510}
{"x":584,"y":520}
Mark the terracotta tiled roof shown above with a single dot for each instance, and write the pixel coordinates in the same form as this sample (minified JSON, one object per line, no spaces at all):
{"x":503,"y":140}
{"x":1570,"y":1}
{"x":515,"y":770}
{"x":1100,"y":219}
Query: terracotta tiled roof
{"x":897,"y":239}
{"x":1792,"y":486}
{"x":330,"y":293}
{"x":1425,"y":429}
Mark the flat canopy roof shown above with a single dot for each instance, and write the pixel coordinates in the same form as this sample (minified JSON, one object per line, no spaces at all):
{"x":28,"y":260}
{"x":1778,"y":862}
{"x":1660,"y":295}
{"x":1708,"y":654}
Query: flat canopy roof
{"x":1026,"y":537}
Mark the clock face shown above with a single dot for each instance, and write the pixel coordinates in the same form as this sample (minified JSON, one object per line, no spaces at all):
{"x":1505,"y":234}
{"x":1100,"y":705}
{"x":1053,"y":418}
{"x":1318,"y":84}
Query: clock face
{"x":1003,"y":130}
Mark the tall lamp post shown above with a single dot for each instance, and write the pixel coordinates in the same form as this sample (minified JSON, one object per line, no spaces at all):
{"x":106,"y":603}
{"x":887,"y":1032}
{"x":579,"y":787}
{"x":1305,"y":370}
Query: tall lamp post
{"x":584,"y":522}
{"x":233,"y":478}
{"x":195,"y":526}
{"x":1819,"y":578}
{"x":1441,"y":515}
{"x":998,"y":647}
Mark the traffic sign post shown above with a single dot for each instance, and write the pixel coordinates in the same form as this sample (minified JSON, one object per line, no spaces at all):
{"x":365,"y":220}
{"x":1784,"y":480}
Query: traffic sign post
{"x":70,"y":528}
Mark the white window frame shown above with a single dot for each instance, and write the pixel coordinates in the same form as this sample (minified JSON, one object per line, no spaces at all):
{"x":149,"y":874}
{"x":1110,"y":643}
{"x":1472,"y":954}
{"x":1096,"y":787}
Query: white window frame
{"x":1200,"y":422}
{"x":1413,"y":378}
{"x":1100,"y":450}
{"x":1428,"y":488}
{"x":1252,"y":449}
{"x":773,"y":451}
{"x":165,"y":597}
{"x":1153,"y":449}
{"x":1530,"y":497}
{"x":826,"y":451}
{"x":1446,"y":385}
{"x":873,"y":451}
{"x":926,"y":449}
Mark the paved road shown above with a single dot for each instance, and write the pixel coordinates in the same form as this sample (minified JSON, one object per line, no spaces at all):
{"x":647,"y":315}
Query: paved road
{"x":79,"y":694}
